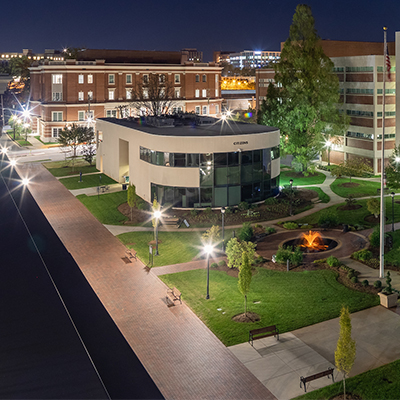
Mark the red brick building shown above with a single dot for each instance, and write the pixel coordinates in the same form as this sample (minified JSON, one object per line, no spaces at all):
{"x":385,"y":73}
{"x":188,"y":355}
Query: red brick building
{"x":100,"y":81}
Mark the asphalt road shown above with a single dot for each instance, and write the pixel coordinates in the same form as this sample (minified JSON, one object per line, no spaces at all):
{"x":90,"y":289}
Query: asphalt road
{"x":56,"y":339}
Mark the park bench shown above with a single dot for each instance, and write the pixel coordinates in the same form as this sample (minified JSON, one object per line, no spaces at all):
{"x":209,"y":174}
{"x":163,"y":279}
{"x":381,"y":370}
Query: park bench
{"x":170,"y":221}
{"x":104,"y":188}
{"x":304,"y":380}
{"x":263,"y":332}
{"x":131,"y":254}
{"x":172,"y":296}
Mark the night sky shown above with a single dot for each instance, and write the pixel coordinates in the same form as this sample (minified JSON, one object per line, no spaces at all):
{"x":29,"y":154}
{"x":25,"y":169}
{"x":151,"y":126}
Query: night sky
{"x":207,"y":25}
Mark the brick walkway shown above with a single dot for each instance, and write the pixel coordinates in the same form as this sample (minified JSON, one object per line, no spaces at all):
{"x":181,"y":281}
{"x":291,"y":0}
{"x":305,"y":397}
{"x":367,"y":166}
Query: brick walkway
{"x":183,"y":357}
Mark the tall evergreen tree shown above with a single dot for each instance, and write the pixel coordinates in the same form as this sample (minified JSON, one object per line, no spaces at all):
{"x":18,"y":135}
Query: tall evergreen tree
{"x":303,"y":101}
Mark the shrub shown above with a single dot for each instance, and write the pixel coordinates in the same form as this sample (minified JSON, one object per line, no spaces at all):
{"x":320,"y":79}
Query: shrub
{"x":388,"y":289}
{"x":308,"y":227}
{"x":214,"y":265}
{"x":354,"y":279}
{"x":377,"y":284}
{"x":374,"y":237}
{"x":345,"y":268}
{"x":246,"y":232}
{"x":333,"y":261}
{"x":296,"y":257}
{"x":290,"y":225}
{"x":142,"y":205}
{"x":271,"y":201}
{"x":350,"y":200}
{"x":222,"y":263}
{"x":374,"y":206}
{"x":283,"y":254}
{"x":365,"y":282}
{"x":362,"y":255}
{"x":208,"y":211}
{"x":243,"y":205}
{"x":229,"y":210}
{"x":259,"y":260}
{"x":350,"y":274}
{"x":194,"y":212}
{"x":328,"y":218}
{"x":320,"y":261}
{"x":269,"y":229}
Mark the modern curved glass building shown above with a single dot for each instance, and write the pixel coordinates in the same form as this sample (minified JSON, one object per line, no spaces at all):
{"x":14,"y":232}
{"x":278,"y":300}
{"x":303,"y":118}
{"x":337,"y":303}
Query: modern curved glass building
{"x":191,"y":161}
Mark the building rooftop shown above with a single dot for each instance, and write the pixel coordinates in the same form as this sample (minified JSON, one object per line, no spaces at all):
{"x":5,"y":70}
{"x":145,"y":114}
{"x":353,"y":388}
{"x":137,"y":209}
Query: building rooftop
{"x":190,"y":125}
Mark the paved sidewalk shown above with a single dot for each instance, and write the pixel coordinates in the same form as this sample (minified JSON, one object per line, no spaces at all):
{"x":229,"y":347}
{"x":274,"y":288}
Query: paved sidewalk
{"x":183,"y":357}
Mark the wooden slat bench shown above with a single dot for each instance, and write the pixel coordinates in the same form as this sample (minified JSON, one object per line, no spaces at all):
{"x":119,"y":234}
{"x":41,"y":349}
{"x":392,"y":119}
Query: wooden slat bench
{"x":131,"y":254}
{"x":172,"y":296}
{"x":170,"y":221}
{"x":304,"y":380}
{"x":263,"y":332}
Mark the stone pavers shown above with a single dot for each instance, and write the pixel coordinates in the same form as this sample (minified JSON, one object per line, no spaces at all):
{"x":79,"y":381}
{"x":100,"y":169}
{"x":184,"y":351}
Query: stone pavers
{"x":183,"y":357}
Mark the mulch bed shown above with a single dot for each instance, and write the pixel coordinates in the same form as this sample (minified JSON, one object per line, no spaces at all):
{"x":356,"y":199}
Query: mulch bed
{"x":246,"y":317}
{"x":351,"y":207}
{"x":373,"y":220}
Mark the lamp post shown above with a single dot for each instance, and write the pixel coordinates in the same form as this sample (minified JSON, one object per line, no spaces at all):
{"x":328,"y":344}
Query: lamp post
{"x":392,"y":194}
{"x":208,"y":249}
{"x":223,"y":229}
{"x":291,"y":195}
{"x":157,"y":215}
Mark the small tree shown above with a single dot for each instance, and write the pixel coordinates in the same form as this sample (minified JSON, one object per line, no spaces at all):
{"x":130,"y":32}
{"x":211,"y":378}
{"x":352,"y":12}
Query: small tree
{"x":351,"y":168}
{"x":374,"y":206}
{"x":89,"y":147}
{"x":70,"y":138}
{"x":211,"y":235}
{"x":392,"y":171}
{"x":131,"y":197}
{"x":345,"y":353}
{"x":235,"y":249}
{"x":244,"y":278}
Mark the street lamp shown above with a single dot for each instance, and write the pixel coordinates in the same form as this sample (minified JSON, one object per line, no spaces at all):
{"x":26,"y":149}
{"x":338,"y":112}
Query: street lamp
{"x":392,"y":194}
{"x":223,"y":229}
{"x":157,"y":215}
{"x":291,"y":195}
{"x":208,"y":250}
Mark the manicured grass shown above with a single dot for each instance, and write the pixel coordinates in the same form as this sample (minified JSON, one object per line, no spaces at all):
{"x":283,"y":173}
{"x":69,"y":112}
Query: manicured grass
{"x":63,"y":168}
{"x":393,"y":256}
{"x":289,"y":300}
{"x":356,"y":217}
{"x":40,"y":140}
{"x":23,"y":142}
{"x":321,"y":194}
{"x":87,"y":181}
{"x":382,"y":383}
{"x":105,"y":207}
{"x":288,"y":174}
{"x":364,"y":188}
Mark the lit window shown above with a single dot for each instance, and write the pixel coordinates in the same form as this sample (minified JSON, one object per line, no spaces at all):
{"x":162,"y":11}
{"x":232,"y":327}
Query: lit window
{"x":111,"y":95}
{"x":81,"y":115}
{"x":57,"y":116}
{"x":197,"y":93}
{"x":204,"y":93}
{"x":216,"y":109}
{"x":128,"y":78}
{"x":111,"y":113}
{"x":90,"y":79}
{"x":128,"y":94}
{"x":90,"y":95}
{"x":146,"y":93}
{"x":205,"y":110}
{"x":81,"y":79}
{"x":57,"y":96}
{"x":204,"y":78}
{"x":111,"y":79}
{"x":162,"y":78}
{"x":80,"y":96}
{"x":216,"y":92}
{"x":177,"y":92}
{"x":177,"y":78}
{"x":197,"y":110}
{"x":57,"y":79}
{"x":197,"y":78}
{"x":145,"y":79}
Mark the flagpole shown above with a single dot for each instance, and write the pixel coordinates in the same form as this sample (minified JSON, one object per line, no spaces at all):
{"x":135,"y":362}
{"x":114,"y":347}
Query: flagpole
{"x":382,"y":221}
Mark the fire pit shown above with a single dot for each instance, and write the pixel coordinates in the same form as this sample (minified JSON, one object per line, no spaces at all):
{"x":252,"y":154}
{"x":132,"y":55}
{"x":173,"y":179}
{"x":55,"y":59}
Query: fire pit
{"x":312,"y":242}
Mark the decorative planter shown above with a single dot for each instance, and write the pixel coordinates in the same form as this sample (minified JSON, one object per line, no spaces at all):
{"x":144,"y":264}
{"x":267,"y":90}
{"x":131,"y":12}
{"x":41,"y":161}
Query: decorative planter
{"x":388,"y":300}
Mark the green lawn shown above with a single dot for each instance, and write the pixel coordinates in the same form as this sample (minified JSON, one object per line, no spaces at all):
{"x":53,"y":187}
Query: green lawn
{"x":87,"y":181}
{"x":356,"y":217}
{"x":382,"y":383}
{"x":47,"y":143}
{"x":288,"y":174}
{"x":321,"y":194}
{"x":289,"y":300}
{"x":63,"y":168}
{"x":105,"y":207}
{"x":23,"y":142}
{"x":364,"y":188}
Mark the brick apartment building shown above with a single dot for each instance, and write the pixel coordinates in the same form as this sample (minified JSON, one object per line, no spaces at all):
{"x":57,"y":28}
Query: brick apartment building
{"x":99,"y":81}
{"x":359,"y":66}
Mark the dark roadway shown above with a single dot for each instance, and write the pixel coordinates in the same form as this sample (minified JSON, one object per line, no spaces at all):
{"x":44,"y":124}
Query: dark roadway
{"x":43,"y":352}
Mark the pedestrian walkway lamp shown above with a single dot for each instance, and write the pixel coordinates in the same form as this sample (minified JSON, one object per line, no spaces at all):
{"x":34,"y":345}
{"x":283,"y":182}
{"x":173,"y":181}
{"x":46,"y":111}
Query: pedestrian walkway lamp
{"x":157,"y":215}
{"x":223,"y":229}
{"x":208,"y":250}
{"x":291,"y":196}
{"x":392,"y":194}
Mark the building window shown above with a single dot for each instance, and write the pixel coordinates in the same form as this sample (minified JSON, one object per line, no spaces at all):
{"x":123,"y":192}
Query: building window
{"x":57,"y":116}
{"x":57,"y":79}
{"x":111,"y":113}
{"x":56,"y":132}
{"x":80,"y":96}
{"x":90,"y":79}
{"x":197,"y":78}
{"x":216,"y":92}
{"x":128,"y":78}
{"x":205,"y":110}
{"x":128,"y":94}
{"x":111,"y":94}
{"x":216,"y":78}
{"x":204,"y":93}
{"x":161,"y":78}
{"x":145,"y":79}
{"x":90,"y":95}
{"x":197,"y":110}
{"x":216,"y":109}
{"x":81,"y":115}
{"x":57,"y":96}
{"x":81,"y":78}
{"x":145,"y":93}
{"x":197,"y":93}
{"x":111,"y":79}
{"x":177,"y":92}
{"x":204,"y":78}
{"x":177,"y":78}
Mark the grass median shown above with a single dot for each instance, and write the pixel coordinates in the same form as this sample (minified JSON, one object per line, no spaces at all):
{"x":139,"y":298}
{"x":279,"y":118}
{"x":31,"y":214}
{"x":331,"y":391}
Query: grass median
{"x":65,"y":168}
{"x":299,"y":180}
{"x":290,"y":300}
{"x":88,"y":181}
{"x":357,"y":187}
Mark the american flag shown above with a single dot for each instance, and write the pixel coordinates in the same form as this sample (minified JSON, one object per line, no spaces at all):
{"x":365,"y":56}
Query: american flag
{"x":388,"y":66}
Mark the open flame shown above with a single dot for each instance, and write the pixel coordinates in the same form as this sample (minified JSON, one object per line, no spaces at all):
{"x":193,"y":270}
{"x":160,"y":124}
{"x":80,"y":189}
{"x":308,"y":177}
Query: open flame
{"x":313,"y":241}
